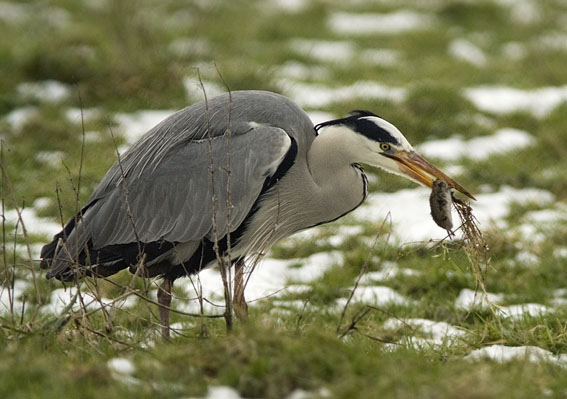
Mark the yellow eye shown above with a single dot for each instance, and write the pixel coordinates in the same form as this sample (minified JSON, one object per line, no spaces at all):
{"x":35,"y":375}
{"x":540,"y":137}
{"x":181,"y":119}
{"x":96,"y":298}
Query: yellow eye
{"x":384,"y":146}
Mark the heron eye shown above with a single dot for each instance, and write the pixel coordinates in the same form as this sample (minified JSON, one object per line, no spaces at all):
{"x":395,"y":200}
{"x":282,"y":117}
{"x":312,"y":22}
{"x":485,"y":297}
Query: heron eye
{"x":384,"y":146}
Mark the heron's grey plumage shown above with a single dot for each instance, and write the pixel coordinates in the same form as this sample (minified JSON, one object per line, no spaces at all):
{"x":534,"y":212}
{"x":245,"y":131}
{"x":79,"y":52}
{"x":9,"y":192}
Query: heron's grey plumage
{"x":230,"y":177}
{"x":162,"y":190}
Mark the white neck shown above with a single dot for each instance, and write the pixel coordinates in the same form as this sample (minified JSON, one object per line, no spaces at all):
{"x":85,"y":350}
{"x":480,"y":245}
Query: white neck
{"x":332,"y":154}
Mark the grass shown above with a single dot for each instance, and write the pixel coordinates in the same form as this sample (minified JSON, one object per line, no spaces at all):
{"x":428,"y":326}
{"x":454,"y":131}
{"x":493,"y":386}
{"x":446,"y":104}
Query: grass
{"x":116,"y":57}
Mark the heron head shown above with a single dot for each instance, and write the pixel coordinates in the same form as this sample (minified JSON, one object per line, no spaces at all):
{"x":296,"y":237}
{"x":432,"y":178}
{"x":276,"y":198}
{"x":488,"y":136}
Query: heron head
{"x":381,"y":144}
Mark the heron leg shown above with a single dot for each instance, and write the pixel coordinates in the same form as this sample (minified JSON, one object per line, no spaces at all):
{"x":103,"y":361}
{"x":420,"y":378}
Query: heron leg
{"x":164,"y":300}
{"x":239,"y":302}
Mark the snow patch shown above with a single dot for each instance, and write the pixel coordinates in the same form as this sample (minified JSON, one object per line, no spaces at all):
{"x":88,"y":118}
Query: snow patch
{"x":503,"y":100}
{"x":503,"y":354}
{"x":523,"y":11}
{"x":410,"y":207}
{"x":50,"y":91}
{"x":220,"y":392}
{"x":344,"y":233}
{"x":377,"y":296}
{"x":62,"y":297}
{"x":320,"y":96}
{"x":547,"y":216}
{"x":50,"y":158}
{"x":553,"y":41}
{"x":121,"y":365}
{"x":135,"y":125}
{"x":270,"y":278}
{"x":75,"y":115}
{"x":12,"y":12}
{"x":34,"y":224}
{"x":194,"y":88}
{"x":381,"y":57}
{"x":13,"y":296}
{"x":320,"y":117}
{"x":389,"y":271}
{"x":393,"y":23}
{"x":300,"y":71}
{"x":465,"y":50}
{"x":440,"y":332}
{"x":325,"y":51}
{"x":523,"y":310}
{"x":469,"y":299}
{"x":18,"y":117}
{"x":287,"y":6}
{"x":479,"y":148}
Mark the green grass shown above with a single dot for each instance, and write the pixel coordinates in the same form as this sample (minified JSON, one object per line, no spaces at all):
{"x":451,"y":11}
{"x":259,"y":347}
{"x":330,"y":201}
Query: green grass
{"x":116,"y":58}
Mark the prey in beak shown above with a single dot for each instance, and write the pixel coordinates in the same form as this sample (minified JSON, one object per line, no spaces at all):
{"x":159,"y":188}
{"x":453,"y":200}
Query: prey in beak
{"x":422,"y":171}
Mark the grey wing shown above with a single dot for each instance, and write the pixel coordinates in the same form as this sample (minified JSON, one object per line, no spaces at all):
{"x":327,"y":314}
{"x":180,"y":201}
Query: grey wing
{"x":200,"y":189}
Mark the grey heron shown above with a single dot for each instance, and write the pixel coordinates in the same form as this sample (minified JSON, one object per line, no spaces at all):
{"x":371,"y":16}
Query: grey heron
{"x":242,"y":171}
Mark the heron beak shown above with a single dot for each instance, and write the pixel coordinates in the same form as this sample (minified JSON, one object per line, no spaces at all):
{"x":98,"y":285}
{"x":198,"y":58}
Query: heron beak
{"x":422,"y":171}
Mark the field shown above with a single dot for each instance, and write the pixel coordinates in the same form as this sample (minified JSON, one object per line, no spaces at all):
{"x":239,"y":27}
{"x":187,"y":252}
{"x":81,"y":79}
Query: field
{"x":378,"y":304}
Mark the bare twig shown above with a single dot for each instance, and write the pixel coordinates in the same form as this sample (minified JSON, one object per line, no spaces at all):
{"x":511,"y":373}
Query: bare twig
{"x":364,"y":269}
{"x":7,"y":183}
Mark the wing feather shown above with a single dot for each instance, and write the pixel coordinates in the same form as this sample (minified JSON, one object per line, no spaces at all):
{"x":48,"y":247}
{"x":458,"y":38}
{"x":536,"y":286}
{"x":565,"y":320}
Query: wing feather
{"x":177,"y":200}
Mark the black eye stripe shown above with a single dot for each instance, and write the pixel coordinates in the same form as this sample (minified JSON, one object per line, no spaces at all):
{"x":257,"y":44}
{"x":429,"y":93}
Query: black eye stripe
{"x":359,"y":121}
{"x":371,"y":130}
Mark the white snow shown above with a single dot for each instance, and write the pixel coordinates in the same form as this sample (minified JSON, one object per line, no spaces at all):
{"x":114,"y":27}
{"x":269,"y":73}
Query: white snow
{"x":410,"y":217}
{"x":440,"y":332}
{"x":121,"y":365}
{"x":524,"y":310}
{"x":547,"y":216}
{"x":319,"y":116}
{"x":503,"y":354}
{"x":389,"y":271}
{"x":502,"y":100}
{"x":523,"y":11}
{"x":343,"y":233}
{"x":50,"y":91}
{"x":299,"y":393}
{"x":75,"y":115}
{"x":42,"y":202}
{"x":34,"y":224}
{"x":375,"y":295}
{"x":287,"y":6}
{"x":324,"y":50}
{"x":526,"y":257}
{"x":515,"y":51}
{"x":320,"y":96}
{"x":19,"y":116}
{"x":478,"y":148}
{"x":12,"y":12}
{"x":134,"y":125}
{"x":469,"y":299}
{"x":300,"y":71}
{"x":194,"y":88}
{"x":465,"y":50}
{"x":122,"y":370}
{"x":393,"y":23}
{"x":50,"y":158}
{"x":15,"y":296}
{"x":62,"y":297}
{"x":270,"y":278}
{"x":381,"y":57}
{"x":222,"y":392}
{"x":553,"y":40}
{"x":343,"y":51}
